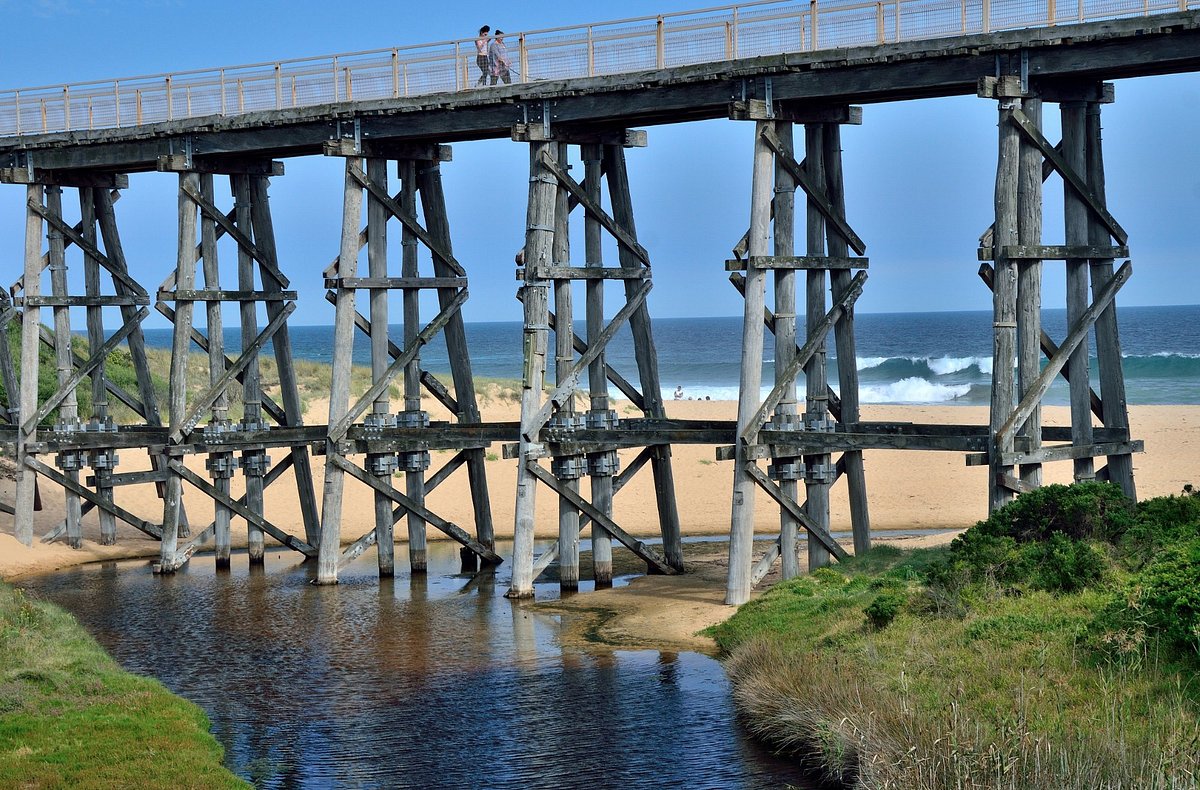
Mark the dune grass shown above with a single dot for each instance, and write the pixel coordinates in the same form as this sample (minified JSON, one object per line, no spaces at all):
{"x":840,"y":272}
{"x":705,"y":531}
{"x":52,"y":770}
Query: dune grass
{"x":883,"y":674}
{"x":71,"y":717}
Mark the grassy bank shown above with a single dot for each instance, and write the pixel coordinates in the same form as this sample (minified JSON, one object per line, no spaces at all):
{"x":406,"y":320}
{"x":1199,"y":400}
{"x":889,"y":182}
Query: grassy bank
{"x":71,"y":717}
{"x":1055,"y":645}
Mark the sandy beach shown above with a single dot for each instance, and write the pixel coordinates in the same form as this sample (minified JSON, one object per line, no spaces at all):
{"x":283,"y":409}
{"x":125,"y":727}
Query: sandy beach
{"x":908,"y":490}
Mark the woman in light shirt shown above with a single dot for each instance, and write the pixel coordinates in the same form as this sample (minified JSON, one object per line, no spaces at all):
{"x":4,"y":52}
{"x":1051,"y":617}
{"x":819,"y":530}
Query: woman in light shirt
{"x":481,"y":54}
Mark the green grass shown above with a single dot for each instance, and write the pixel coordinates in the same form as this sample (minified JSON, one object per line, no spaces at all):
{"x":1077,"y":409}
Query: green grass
{"x":71,"y":717}
{"x":985,"y":684}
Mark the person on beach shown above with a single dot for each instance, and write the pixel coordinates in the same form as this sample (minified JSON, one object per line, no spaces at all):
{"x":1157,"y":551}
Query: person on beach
{"x":498,"y":63}
{"x":481,"y":54}
{"x":679,"y":392}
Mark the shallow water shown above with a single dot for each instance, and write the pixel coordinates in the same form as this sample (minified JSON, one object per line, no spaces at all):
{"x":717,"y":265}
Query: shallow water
{"x":434,"y":681}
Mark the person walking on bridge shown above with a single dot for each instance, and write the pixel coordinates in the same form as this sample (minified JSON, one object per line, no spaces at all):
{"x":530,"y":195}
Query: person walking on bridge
{"x":498,"y":61}
{"x":481,"y":54}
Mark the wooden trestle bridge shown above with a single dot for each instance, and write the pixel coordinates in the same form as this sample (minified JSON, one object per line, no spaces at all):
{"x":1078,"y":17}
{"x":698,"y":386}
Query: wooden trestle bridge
{"x":774,"y":65}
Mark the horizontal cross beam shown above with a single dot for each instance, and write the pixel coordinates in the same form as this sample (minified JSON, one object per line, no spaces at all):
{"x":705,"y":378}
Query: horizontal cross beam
{"x":795,"y":262}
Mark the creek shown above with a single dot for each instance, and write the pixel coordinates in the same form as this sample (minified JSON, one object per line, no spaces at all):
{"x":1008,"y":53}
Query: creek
{"x":418,"y":681}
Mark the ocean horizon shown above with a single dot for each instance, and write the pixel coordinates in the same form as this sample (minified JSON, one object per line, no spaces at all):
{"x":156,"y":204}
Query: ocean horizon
{"x":902,"y":358}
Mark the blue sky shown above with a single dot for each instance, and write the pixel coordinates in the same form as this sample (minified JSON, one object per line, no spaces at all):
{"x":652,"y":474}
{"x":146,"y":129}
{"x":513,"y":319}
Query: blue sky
{"x":919,"y":174}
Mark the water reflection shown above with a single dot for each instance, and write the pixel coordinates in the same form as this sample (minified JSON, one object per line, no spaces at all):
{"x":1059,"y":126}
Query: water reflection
{"x":426,"y":681}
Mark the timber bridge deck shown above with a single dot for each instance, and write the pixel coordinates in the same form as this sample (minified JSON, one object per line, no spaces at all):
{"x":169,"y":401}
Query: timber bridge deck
{"x":773,"y":64}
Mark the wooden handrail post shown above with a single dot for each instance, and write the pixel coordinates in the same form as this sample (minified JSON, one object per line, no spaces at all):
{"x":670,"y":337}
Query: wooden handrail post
{"x":395,"y":74}
{"x":659,"y":44}
{"x":523,"y":58}
{"x":987,"y":16}
{"x":458,"y":73}
{"x":278,"y":87}
{"x":67,"y":108}
{"x":170,"y":104}
{"x":335,"y":79}
{"x":812,"y":20}
{"x":879,"y":29}
{"x":223,"y":92}
{"x":591,"y":53}
{"x":735,"y":34}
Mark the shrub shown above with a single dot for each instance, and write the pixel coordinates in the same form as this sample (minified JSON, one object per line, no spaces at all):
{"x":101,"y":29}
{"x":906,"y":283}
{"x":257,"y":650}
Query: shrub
{"x":1064,"y":565}
{"x":1040,"y":541}
{"x":1084,"y":511}
{"x":1161,"y":521}
{"x":883,"y":610}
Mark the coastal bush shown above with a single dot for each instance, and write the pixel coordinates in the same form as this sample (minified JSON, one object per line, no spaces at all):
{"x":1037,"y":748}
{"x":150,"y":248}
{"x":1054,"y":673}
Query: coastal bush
{"x":1083,"y":511}
{"x":1160,"y":602}
{"x":883,"y":610}
{"x":1161,"y":521}
{"x":1003,"y":697}
{"x":1043,"y":540}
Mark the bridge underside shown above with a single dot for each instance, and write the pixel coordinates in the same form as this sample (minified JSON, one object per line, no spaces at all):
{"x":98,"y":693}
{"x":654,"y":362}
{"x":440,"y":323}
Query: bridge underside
{"x":818,"y":444}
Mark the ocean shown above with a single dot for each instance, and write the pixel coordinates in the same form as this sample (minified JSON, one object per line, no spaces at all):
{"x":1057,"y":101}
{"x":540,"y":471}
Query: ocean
{"x":918,"y":358}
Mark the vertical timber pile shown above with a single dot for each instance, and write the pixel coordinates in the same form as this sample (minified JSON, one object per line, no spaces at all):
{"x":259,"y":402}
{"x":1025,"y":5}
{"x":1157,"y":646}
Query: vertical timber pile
{"x":784,"y":439}
{"x":579,"y":444}
{"x":248,"y":226}
{"x":1014,"y":246}
{"x":398,"y":442}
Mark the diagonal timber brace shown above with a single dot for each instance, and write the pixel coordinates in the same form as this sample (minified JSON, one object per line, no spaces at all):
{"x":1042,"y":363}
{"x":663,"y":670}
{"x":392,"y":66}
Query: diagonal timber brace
{"x":1052,"y":155}
{"x":381,"y":384}
{"x":225,"y":223}
{"x":1049,"y":347}
{"x":579,"y":193}
{"x":406,"y":219}
{"x":638,"y":547}
{"x":68,"y":386}
{"x":834,"y":402}
{"x":55,"y":476}
{"x":636,"y":465}
{"x":204,"y":402}
{"x":822,"y":537}
{"x":815,"y":192}
{"x":563,"y":391}
{"x":816,"y":341}
{"x":1055,"y":364}
{"x":291,"y":541}
{"x":449,"y":528}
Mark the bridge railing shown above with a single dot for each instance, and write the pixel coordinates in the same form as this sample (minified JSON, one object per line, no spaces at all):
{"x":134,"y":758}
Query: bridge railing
{"x":766,"y":27}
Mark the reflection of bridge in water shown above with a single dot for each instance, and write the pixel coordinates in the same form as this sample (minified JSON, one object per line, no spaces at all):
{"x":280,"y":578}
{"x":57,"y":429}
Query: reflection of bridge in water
{"x":581,"y":90}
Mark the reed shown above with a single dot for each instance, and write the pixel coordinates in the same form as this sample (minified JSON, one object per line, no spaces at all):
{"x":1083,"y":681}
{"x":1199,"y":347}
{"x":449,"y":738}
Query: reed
{"x":995,"y":683}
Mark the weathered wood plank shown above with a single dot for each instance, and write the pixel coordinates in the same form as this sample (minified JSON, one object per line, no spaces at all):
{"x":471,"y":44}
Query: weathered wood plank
{"x":797,"y":262}
{"x":1052,"y":252}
